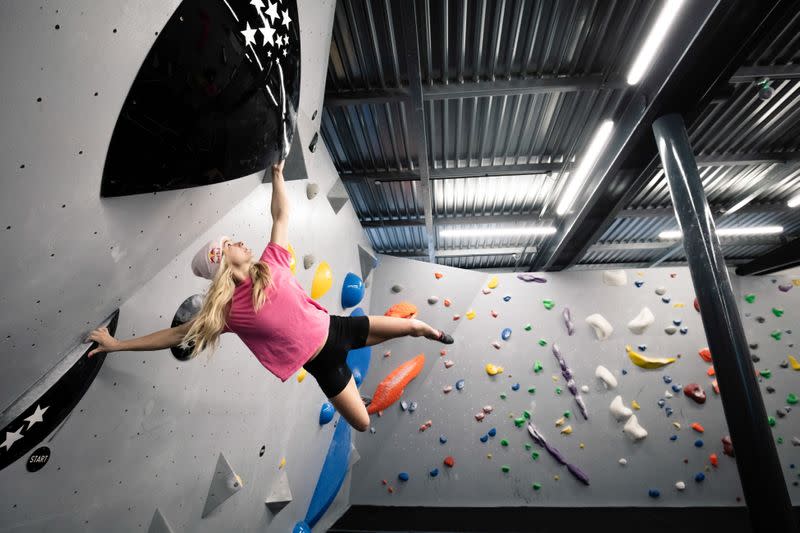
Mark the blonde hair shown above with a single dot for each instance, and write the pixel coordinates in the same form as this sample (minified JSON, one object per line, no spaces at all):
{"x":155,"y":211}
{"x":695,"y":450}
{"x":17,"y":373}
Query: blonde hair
{"x":210,"y":320}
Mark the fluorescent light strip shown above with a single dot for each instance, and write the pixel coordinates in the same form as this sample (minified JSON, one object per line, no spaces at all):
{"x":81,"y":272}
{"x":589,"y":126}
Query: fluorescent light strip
{"x":794,"y":202}
{"x":728,"y":232}
{"x":497,"y":232}
{"x":653,"y":41}
{"x":587,"y":162}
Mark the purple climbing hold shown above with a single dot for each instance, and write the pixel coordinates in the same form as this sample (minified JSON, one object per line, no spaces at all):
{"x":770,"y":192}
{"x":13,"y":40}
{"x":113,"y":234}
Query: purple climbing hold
{"x":527,"y":276}
{"x":567,"y":316}
{"x":785,"y":288}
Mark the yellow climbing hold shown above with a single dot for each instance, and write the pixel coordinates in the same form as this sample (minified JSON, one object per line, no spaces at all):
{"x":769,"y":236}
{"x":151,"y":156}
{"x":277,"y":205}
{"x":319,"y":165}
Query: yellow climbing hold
{"x":301,"y":375}
{"x":635,"y":405}
{"x":678,"y":305}
{"x":555,"y":378}
{"x":493,"y":370}
{"x":282,"y":463}
{"x":796,"y":282}
{"x":293,"y":260}
{"x":567,"y":430}
{"x":470,"y":314}
{"x":648,"y":362}
{"x":493,"y":282}
{"x":556,"y":477}
{"x":560,"y":421}
{"x":488,"y":456}
{"x":677,"y":425}
{"x":582,"y":446}
{"x":794,"y":363}
{"x":323,"y":280}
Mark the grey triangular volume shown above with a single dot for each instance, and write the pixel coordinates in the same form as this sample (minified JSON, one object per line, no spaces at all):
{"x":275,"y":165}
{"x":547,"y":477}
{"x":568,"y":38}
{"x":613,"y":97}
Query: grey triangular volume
{"x":280,"y":495}
{"x":338,"y":196}
{"x":159,"y":524}
{"x":225,"y":484}
{"x":368,"y":262}
{"x":354,"y":456}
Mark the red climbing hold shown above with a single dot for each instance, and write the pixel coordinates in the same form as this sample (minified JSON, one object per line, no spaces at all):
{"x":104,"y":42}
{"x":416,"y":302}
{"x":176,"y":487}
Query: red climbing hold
{"x":438,"y":275}
{"x":391,"y":490}
{"x":447,"y":302}
{"x":728,"y":445}
{"x":705,"y":353}
{"x":442,"y":352}
{"x":694,"y":392}
{"x":384,"y":482}
{"x":713,"y":459}
{"x":711,"y":371}
{"x":449,"y":461}
{"x":698,"y":428}
{"x":696,"y":305}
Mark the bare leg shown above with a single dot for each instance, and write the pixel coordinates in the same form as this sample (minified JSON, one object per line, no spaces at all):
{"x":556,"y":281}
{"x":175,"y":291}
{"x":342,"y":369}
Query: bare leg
{"x":351,"y":407}
{"x":383,"y":328}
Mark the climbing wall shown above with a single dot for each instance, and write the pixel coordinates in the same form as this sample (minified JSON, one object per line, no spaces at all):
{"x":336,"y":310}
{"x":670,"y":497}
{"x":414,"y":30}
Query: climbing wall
{"x":671,"y":454}
{"x":154,"y":443}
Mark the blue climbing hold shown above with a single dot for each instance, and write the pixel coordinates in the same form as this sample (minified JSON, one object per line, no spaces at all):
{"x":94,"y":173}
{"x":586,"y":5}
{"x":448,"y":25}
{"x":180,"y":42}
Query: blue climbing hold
{"x":434,"y":472}
{"x":412,"y":407}
{"x":485,"y":438}
{"x":667,"y":379}
{"x":326,"y":413}
{"x":442,"y":439}
{"x":677,"y":322}
{"x":643,"y":347}
{"x":676,"y":388}
{"x":669,"y":411}
{"x":661,"y":402}
{"x":673,"y":438}
{"x":624,"y":372}
{"x":654,"y":493}
{"x":506,"y":298}
{"x":638,"y":283}
{"x":402,"y":476}
{"x":515,"y":386}
{"x":699,"y":477}
{"x":666,"y":299}
{"x":357,"y":377}
{"x":460,"y":384}
{"x":492,"y":432}
{"x":301,"y":527}
{"x":698,"y":443}
{"x":684,"y":330}
{"x":505,"y":334}
{"x":352,"y":290}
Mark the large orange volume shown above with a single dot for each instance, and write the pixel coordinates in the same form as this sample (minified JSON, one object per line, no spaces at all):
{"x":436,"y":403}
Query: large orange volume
{"x":392,"y":387}
{"x":402,"y":310}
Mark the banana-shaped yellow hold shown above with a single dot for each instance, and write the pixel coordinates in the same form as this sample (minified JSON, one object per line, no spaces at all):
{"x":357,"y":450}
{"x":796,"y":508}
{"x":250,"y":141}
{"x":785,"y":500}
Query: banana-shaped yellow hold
{"x":648,"y":362}
{"x":794,"y":363}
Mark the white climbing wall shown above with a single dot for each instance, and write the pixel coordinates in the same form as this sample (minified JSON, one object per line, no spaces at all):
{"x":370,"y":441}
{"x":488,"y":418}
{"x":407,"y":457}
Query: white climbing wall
{"x":655,"y":462}
{"x":148,"y":433}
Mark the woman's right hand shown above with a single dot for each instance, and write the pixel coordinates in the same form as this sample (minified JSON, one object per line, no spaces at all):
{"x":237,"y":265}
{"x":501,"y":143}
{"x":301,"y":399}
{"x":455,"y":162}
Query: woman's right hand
{"x":105,"y":342}
{"x":277,"y":168}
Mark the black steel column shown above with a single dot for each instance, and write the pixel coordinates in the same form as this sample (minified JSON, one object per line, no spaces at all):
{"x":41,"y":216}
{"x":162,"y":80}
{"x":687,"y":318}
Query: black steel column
{"x":764,"y":487}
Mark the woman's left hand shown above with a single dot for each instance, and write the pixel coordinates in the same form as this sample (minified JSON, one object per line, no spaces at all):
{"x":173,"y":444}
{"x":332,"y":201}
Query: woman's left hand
{"x":277,"y":168}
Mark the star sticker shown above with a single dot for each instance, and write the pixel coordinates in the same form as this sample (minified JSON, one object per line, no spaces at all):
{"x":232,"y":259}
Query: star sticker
{"x":11,"y":438}
{"x":285,"y":40}
{"x":258,"y":3}
{"x":284,"y":52}
{"x":268,"y":33}
{"x":36,"y":416}
{"x":272,"y":12}
{"x":249,"y":35}
{"x":286,"y":19}
{"x":269,"y":53}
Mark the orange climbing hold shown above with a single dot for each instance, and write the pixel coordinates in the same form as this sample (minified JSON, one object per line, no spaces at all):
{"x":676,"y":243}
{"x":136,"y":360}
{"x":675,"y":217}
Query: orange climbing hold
{"x":402,"y":310}
{"x":449,"y":461}
{"x":705,"y":353}
{"x":698,"y":428}
{"x":392,"y":387}
{"x":711,"y":371}
{"x":447,"y":302}
{"x":715,"y":385}
{"x":438,"y":275}
{"x":713,"y":459}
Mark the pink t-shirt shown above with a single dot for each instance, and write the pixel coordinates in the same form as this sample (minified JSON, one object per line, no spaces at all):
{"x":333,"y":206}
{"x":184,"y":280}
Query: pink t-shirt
{"x":289,"y":327}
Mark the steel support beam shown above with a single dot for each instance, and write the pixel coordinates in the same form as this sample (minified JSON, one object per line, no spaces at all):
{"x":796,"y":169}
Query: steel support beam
{"x":417,"y":117}
{"x":787,"y":256}
{"x":471,"y":252}
{"x":773,"y":72}
{"x":765,"y":493}
{"x":659,"y":245}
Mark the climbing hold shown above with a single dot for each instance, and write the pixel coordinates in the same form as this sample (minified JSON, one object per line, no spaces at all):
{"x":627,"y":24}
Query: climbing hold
{"x":602,"y":328}
{"x":777,"y":311}
{"x":795,"y":441}
{"x":667,"y":379}
{"x":449,"y":461}
{"x":635,"y":405}
{"x":684,"y":330}
{"x":697,"y":427}
{"x":387,"y":353}
{"x":528,"y":277}
{"x":727,"y":446}
{"x":605,"y":376}
{"x":323,"y":280}
{"x":493,"y":313}
{"x":760,"y":319}
{"x":548,"y":304}
{"x":698,"y":443}
{"x":448,"y":363}
{"x":505,"y":334}
{"x":699,"y":477}
{"x":447,"y":388}
{"x":766,"y":374}
{"x":785,"y":288}
{"x":537,"y":366}
{"x":496,"y":345}
{"x":397,"y":288}
{"x":486,"y":291}
{"x":460,"y":384}
{"x":750,"y":298}
{"x":493,"y":370}
{"x":661,"y":402}
{"x":670,"y":330}
{"x":484,"y":438}
{"x":567,"y":316}
{"x":532,"y":390}
{"x":542,"y":342}
{"x":654,"y":493}
{"x":506,"y":468}
{"x":391,"y":388}
{"x":776,"y":334}
{"x":661,"y":291}
{"x":584,"y":388}
{"x":676,"y":388}
{"x":667,"y":394}
{"x":668,"y":410}
{"x":618,"y":409}
{"x":438,"y":275}
{"x":784,"y":364}
{"x":308,"y":261}
{"x":633,"y":429}
{"x":434,"y":472}
{"x":639,"y":324}
{"x":666,"y":299}
{"x":402,"y":310}
{"x":412,"y":407}
{"x":648,"y":362}
{"x":560,"y":422}
{"x":301,"y":375}
{"x":403,"y":476}
{"x":711,"y":371}
{"x":470,"y":314}
{"x":791,"y":399}
{"x":447,"y":302}
{"x":539,"y":439}
{"x":696,"y":305}
{"x":715,"y":386}
{"x":643,"y":347}
{"x":694,"y":392}
{"x":506,"y":298}
{"x":493,"y":282}
{"x":783,"y":411}
{"x":433,"y":299}
{"x":770,"y":389}
{"x":624,"y":372}
{"x":558,"y":390}
{"x":638,"y":283}
{"x":403,"y":405}
{"x":352,"y":290}
{"x":677,"y":425}
{"x":527,"y":327}
{"x":515,"y":386}
{"x":326,"y":413}
{"x":673,"y":438}
{"x":224,"y":484}
{"x":488,"y":409}
{"x":567,"y":430}
{"x":442,"y":439}
{"x":615,"y":278}
{"x":705,"y":354}
{"x":680,"y":485}
{"x":623,"y":461}
{"x":537,"y":486}
{"x":456,"y":317}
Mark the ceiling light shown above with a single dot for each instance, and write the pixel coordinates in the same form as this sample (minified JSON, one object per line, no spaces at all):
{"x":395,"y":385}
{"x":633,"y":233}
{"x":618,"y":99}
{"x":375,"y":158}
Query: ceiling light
{"x":729,"y":232}
{"x":497,"y":232}
{"x":794,"y":202}
{"x":587,"y":162}
{"x":653,"y":41}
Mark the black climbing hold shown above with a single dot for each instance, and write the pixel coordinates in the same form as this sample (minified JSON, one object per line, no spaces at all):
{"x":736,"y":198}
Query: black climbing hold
{"x":313,"y":145}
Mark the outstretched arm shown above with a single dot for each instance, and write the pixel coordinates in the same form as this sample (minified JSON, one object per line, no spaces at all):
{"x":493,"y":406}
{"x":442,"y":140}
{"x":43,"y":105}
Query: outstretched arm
{"x":279,"y":207}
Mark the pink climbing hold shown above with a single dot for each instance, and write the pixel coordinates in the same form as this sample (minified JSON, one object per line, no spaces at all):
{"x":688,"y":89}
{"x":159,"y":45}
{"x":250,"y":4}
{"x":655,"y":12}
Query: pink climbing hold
{"x":447,"y":302}
{"x":387,"y":353}
{"x":494,"y":313}
{"x":727,"y":445}
{"x":479,"y":416}
{"x":695,"y":392}
{"x":715,"y":386}
{"x":696,"y":305}
{"x":442,"y":352}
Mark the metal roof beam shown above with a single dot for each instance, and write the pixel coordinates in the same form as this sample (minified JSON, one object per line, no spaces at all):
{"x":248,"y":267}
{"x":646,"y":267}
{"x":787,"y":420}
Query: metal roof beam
{"x":472,"y":252}
{"x":658,"y":245}
{"x":773,"y":72}
{"x":787,"y":256}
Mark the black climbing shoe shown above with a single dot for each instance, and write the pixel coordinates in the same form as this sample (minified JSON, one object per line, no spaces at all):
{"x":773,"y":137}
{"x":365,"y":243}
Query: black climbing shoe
{"x":367,"y":400}
{"x":444,"y":338}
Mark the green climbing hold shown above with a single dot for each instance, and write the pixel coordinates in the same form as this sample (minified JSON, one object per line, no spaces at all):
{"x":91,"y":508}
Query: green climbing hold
{"x":537,"y":486}
{"x":506,"y":469}
{"x":777,"y":312}
{"x":532,"y":390}
{"x":750,"y":298}
{"x":766,"y":373}
{"x":535,"y":455}
{"x":528,"y":446}
{"x":527,"y":327}
{"x":566,"y":414}
{"x":791,"y":399}
{"x":771,"y":421}
{"x":548,"y":304}
{"x":519,"y":421}
{"x":503,"y":396}
{"x":776,"y":334}
{"x":504,"y":442}
{"x":779,"y":440}
{"x":537,"y":366}
{"x":558,"y":390}
{"x":527,"y":414}
{"x":542,"y":342}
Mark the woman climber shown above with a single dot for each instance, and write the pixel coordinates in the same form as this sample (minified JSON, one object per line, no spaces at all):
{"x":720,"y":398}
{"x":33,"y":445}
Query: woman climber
{"x":262,"y":302}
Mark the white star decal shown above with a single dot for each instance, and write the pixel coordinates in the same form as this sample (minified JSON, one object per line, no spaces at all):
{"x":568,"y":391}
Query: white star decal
{"x":285,"y":40}
{"x":36,"y":416}
{"x":284,"y":52}
{"x":286,"y":19}
{"x":268,"y":33}
{"x":249,"y":35}
{"x":272,"y":12}
{"x":11,"y":438}
{"x":258,"y":3}
{"x":269,"y":53}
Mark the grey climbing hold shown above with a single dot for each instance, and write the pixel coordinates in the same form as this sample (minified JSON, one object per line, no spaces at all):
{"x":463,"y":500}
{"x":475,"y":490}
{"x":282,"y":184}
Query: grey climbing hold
{"x":795,"y":441}
{"x":670,"y":330}
{"x":159,"y":524}
{"x":397,"y":288}
{"x":354,"y":455}
{"x":661,"y":291}
{"x":433,"y":299}
{"x":770,"y":389}
{"x":760,"y":319}
{"x":755,"y":358}
{"x":784,"y":364}
{"x":754,"y":346}
{"x":367,"y":261}
{"x":224,"y":484}
{"x":280,"y":494}
{"x":312,"y":189}
{"x":308,"y":261}
{"x":412,"y":407}
{"x":338,"y":196}
{"x":783,"y":411}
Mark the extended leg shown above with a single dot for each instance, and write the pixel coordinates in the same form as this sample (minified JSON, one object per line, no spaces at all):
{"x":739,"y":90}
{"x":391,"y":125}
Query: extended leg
{"x":383,"y":328}
{"x":351,"y":407}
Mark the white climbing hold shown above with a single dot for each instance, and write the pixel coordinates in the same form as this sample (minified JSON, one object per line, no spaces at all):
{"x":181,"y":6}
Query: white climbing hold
{"x":633,"y":429}
{"x":312,"y":189}
{"x":308,"y":261}
{"x":606,"y":376}
{"x":623,"y":461}
{"x":618,"y":409}
{"x":642,"y":321}
{"x":433,"y":299}
{"x":670,"y":330}
{"x":602,"y":328}
{"x":585,"y":388}
{"x":661,"y":291}
{"x":615,"y":278}
{"x":680,"y":485}
{"x":667,"y":394}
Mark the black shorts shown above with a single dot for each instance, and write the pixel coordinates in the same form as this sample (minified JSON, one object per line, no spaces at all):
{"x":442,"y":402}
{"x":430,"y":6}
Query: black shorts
{"x":329,"y":367}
